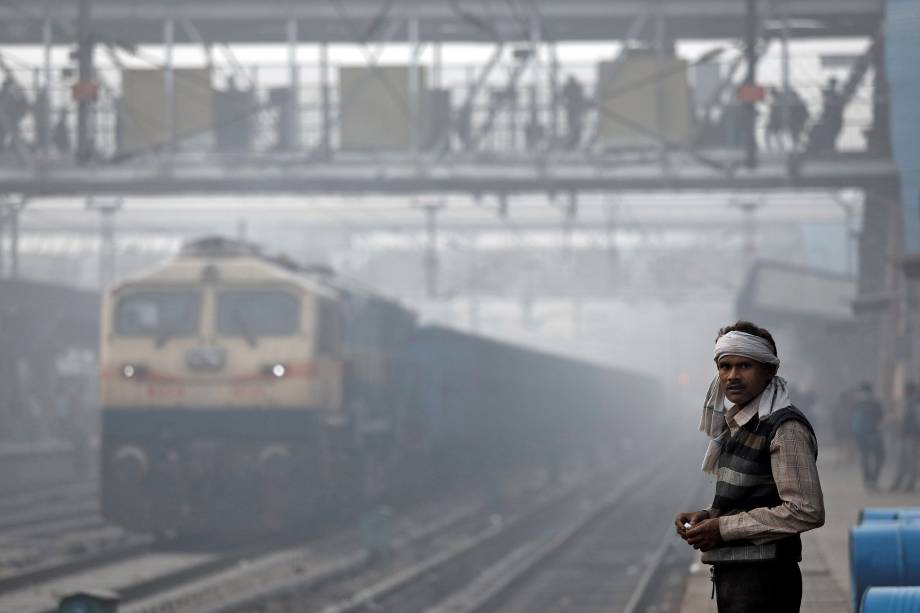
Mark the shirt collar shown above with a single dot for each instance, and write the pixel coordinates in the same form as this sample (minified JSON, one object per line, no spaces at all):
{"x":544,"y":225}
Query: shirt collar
{"x":737,"y":417}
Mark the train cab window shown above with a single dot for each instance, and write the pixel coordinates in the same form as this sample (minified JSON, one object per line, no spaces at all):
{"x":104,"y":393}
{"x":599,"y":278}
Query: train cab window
{"x":160,"y":314}
{"x":252,"y":313}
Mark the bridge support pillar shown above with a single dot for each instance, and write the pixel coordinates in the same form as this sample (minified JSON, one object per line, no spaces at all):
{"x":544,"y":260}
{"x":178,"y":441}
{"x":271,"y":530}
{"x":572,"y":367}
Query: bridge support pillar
{"x":878,"y":307}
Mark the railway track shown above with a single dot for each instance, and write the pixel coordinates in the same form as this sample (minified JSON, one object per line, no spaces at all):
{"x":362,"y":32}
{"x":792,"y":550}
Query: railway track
{"x":448,"y":557}
{"x":150,"y":577}
{"x":457,"y":581}
{"x":51,"y":531}
{"x":40,"y":505}
{"x":621,"y":556}
{"x":435,"y":572}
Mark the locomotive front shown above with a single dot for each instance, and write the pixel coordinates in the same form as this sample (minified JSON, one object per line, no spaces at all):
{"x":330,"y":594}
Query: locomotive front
{"x":220,"y":374}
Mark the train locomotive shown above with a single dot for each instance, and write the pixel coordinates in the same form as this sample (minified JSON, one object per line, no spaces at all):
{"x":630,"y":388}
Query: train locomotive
{"x":243,"y":394}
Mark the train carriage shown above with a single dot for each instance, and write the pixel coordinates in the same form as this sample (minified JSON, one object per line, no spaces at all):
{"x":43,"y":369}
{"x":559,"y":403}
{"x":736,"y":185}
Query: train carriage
{"x":237,"y":391}
{"x":243,"y":393}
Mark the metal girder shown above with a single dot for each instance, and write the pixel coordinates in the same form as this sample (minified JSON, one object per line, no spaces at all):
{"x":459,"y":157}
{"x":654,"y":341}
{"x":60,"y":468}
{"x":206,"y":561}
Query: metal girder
{"x":246,"y":21}
{"x":401,"y":176}
{"x":843,"y":97}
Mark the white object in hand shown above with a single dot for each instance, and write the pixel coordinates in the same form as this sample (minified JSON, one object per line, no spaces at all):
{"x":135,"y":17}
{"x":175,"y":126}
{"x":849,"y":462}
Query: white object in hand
{"x":687,"y":525}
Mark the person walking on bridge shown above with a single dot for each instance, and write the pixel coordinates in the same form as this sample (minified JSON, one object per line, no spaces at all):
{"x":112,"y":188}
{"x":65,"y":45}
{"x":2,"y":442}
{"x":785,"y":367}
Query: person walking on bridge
{"x":762,"y":452}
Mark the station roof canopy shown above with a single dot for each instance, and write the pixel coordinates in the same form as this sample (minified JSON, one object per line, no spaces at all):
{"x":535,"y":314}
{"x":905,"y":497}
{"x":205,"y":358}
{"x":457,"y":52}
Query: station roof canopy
{"x":343,"y":21}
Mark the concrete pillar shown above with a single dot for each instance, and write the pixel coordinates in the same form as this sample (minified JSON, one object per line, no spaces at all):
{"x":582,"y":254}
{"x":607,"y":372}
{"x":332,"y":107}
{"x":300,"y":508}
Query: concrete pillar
{"x":878,"y":308}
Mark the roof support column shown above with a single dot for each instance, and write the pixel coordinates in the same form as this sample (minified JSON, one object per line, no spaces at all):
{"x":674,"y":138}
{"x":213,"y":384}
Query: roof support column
{"x":750,"y":111}
{"x":45,"y":109}
{"x":85,"y":42}
{"x":415,"y":93}
{"x":293,"y":101}
{"x":784,"y":71}
{"x":325,"y":142}
{"x":663,"y":52}
{"x":534,"y":123}
{"x":553,"y":84}
{"x":169,"y":83}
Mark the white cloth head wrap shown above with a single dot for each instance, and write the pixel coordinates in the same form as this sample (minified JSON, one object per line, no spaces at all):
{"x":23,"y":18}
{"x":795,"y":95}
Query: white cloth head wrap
{"x":774,"y":396}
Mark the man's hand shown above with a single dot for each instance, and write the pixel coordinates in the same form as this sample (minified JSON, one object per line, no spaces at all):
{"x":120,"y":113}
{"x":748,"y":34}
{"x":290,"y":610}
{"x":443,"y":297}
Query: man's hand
{"x":690,"y":517}
{"x":705,"y":535}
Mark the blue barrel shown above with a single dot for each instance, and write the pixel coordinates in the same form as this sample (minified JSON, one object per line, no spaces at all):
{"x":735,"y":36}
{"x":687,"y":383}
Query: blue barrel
{"x":884,"y":554}
{"x":891,"y":600}
{"x":889,"y":514}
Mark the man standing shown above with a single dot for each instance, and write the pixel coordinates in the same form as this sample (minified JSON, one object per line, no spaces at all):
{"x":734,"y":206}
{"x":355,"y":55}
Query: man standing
{"x":763,"y":453}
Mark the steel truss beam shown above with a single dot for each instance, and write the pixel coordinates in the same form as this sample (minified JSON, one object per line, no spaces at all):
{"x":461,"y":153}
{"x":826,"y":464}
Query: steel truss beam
{"x":247,"y":21}
{"x":401,"y":176}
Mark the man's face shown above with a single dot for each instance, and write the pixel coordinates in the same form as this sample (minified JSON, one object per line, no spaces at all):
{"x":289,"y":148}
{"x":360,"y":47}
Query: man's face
{"x":741,"y":379}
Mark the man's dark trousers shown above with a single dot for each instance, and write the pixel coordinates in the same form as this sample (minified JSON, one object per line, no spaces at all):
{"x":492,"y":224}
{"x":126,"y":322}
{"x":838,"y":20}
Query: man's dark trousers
{"x":758,"y":587}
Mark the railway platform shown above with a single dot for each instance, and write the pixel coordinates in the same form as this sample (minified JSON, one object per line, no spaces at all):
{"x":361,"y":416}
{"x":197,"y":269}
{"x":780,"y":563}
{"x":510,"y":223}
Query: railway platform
{"x":825,"y":564}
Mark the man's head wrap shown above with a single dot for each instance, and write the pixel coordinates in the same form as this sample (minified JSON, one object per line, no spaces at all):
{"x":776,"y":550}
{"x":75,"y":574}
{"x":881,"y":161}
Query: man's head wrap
{"x":774,"y":396}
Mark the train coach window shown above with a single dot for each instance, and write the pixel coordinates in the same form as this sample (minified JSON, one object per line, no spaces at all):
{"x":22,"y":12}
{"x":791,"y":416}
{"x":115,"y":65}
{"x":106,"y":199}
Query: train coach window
{"x":158,"y":314}
{"x":253,"y":313}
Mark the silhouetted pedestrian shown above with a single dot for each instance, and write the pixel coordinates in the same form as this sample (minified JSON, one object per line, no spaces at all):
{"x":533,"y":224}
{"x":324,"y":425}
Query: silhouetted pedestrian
{"x":60,"y":136}
{"x":13,"y":107}
{"x":787,"y":116}
{"x":575,"y":103}
{"x":824,"y":135}
{"x":798,"y":117}
{"x":865,"y":419}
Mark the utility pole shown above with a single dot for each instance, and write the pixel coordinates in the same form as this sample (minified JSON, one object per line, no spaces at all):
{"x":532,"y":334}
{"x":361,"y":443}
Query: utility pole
{"x":749,"y":247}
{"x":107,"y":249}
{"x":431,"y":248}
{"x":13,"y":213}
{"x":9,"y":218}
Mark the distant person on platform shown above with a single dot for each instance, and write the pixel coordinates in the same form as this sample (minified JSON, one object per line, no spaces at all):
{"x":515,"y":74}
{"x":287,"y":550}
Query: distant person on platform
{"x":762,"y":452}
{"x":865,"y":421}
{"x":13,"y":108}
{"x":787,"y":115}
{"x":906,"y":477}
{"x":575,"y":103}
{"x":60,"y":135}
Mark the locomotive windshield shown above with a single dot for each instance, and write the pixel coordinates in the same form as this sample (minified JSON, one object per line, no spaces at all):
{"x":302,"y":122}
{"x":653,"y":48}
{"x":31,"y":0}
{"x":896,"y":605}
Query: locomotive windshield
{"x":252,"y":313}
{"x":160,"y":314}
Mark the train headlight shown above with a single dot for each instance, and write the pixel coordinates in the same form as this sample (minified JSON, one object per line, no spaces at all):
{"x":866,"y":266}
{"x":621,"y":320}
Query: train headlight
{"x":275,"y":370}
{"x":133,"y":371}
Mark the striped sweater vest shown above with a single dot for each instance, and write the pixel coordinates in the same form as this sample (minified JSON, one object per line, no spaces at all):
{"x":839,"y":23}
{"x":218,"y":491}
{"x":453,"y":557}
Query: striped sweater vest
{"x":745,"y":482}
